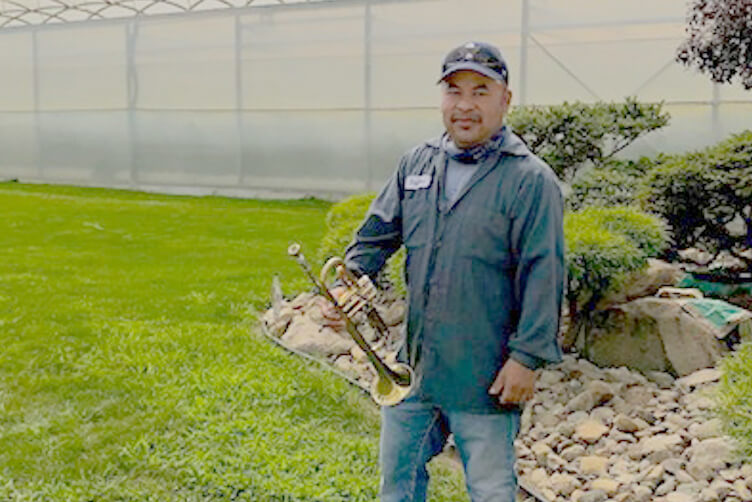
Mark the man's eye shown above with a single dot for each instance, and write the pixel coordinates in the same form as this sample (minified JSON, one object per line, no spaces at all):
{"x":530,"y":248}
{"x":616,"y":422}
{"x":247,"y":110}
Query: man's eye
{"x":480,"y":92}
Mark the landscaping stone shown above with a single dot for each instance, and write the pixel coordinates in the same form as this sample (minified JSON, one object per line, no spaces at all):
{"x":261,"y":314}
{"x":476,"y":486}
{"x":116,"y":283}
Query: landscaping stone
{"x":590,"y":431}
{"x":590,"y":434}
{"x":654,"y":334}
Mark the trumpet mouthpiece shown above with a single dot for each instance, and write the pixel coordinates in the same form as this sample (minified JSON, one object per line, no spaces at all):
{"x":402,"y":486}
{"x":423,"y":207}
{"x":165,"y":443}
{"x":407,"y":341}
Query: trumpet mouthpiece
{"x":294,"y":249}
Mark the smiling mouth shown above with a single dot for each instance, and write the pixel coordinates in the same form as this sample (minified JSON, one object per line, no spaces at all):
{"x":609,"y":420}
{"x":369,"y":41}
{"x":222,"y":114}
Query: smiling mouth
{"x":464,"y":122}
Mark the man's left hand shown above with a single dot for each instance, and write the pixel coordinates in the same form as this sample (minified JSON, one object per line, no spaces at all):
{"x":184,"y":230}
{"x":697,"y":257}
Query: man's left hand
{"x":514,"y":384}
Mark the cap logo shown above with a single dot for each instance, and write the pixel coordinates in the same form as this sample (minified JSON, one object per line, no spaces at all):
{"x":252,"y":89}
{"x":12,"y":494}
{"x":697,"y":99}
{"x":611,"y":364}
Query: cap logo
{"x":482,"y":57}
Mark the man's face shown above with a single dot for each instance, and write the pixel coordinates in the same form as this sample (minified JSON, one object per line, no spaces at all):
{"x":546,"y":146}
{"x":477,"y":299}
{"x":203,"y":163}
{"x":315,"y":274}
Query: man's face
{"x":473,"y":107}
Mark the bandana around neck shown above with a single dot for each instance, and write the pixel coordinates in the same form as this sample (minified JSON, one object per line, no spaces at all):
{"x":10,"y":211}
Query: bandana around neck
{"x":474,"y":154}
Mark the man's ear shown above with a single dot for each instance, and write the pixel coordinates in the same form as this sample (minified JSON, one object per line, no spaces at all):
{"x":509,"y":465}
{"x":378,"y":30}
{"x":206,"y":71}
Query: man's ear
{"x":507,"y":96}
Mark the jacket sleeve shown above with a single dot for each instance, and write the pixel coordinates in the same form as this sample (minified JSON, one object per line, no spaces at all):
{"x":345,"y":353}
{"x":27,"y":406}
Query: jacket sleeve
{"x":380,"y":234}
{"x":538,"y":238}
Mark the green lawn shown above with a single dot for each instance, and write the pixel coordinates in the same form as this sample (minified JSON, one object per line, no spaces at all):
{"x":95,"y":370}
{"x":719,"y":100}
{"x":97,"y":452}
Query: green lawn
{"x":132,"y":367}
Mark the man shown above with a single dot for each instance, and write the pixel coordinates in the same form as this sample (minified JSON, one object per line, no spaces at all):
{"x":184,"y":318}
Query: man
{"x":481,"y":218}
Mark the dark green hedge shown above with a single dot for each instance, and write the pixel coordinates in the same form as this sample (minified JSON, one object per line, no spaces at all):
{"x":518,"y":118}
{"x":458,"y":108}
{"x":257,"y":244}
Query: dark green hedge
{"x":706,"y":197}
{"x":572,"y":135}
{"x":615,"y":183}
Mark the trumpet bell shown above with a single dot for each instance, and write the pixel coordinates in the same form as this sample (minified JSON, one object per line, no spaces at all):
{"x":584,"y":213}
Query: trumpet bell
{"x":387,"y":392}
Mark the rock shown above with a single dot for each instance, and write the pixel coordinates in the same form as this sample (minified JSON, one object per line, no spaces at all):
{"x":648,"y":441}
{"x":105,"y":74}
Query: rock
{"x":684,"y":477}
{"x":660,"y":378}
{"x":625,"y":376}
{"x":585,"y":401}
{"x":549,"y":494}
{"x":601,"y":391}
{"x":707,"y":457}
{"x":654,"y":334}
{"x":577,"y":417}
{"x":730,"y":474}
{"x":549,"y":378}
{"x":722,"y":488}
{"x":676,"y":420}
{"x":672,"y":465}
{"x":626,"y":424}
{"x":654,"y":475}
{"x":589,"y":369}
{"x":554,"y":462}
{"x":526,"y":420}
{"x":603,"y":414}
{"x":575,"y":497}
{"x":594,"y":464}
{"x":548,"y":420}
{"x":681,"y":497}
{"x":608,"y":486}
{"x":641,"y":494}
{"x":344,"y":363}
{"x":305,"y":335}
{"x":700,"y":377}
{"x":645,"y":282}
{"x":594,"y":496}
{"x":570,"y":453}
{"x":541,"y":451}
{"x":585,"y":422}
{"x":638,"y":397}
{"x":741,"y":489}
{"x":658,"y":443}
{"x":745,"y":471}
{"x":695,"y":402}
{"x":709,"y":495}
{"x":277,"y":322}
{"x":668,"y":486}
{"x":706,"y":430}
{"x":563,"y":484}
{"x":301,"y":301}
{"x":590,"y":431}
{"x":696,"y":255}
{"x":659,"y":456}
{"x":358,"y":354}
{"x":565,"y":429}
{"x":539,"y":477}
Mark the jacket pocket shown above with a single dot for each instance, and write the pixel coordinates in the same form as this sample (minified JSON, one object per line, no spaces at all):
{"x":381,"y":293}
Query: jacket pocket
{"x":485,"y":236}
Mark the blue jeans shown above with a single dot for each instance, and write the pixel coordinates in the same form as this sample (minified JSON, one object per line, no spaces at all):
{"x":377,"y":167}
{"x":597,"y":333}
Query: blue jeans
{"x":413,"y":432}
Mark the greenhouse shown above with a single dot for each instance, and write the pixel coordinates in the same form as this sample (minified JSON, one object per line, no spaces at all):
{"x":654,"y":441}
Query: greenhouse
{"x":297,"y":98}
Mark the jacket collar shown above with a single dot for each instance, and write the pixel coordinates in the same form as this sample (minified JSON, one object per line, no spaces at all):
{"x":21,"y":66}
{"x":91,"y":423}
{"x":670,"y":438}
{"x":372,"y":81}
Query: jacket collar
{"x":512,"y":144}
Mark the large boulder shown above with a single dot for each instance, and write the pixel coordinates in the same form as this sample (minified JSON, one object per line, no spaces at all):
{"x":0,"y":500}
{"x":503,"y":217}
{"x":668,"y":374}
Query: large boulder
{"x":306,"y":335}
{"x":654,"y":334}
{"x":645,"y":282}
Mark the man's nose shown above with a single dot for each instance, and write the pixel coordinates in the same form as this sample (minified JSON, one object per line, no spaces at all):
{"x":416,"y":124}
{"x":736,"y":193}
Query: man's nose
{"x":464,"y":103}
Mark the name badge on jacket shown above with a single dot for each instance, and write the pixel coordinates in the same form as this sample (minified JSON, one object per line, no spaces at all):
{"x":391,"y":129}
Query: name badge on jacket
{"x":417,"y":181}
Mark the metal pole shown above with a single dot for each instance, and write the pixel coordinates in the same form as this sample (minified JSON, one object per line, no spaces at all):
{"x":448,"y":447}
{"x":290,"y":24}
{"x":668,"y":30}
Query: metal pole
{"x":131,"y":33}
{"x":37,"y":113}
{"x":524,"y":36}
{"x":239,"y":126}
{"x":367,"y":130}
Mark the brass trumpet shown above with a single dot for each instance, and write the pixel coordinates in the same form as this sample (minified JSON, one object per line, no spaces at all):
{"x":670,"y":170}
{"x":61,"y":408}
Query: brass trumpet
{"x":390,"y":385}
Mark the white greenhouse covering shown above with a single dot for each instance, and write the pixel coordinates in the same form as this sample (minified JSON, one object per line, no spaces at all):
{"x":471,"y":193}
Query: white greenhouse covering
{"x":285,"y":98}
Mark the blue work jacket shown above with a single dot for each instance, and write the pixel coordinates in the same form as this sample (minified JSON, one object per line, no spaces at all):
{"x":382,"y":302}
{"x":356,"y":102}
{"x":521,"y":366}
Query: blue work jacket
{"x":485,"y":272}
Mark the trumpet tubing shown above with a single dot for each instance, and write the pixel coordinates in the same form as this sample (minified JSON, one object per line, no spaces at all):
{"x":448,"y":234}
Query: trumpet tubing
{"x":390,"y":386}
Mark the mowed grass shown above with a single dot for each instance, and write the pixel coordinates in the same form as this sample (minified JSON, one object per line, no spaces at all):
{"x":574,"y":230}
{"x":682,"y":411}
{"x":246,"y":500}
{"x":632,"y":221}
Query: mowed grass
{"x":131,"y":364}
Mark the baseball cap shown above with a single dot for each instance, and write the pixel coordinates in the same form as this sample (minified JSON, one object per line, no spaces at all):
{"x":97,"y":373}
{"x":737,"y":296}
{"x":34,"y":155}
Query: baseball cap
{"x":476,"y":56}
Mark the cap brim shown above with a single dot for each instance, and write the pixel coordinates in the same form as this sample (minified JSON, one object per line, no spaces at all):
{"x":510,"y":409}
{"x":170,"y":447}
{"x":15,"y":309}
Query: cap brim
{"x":472,"y":66}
